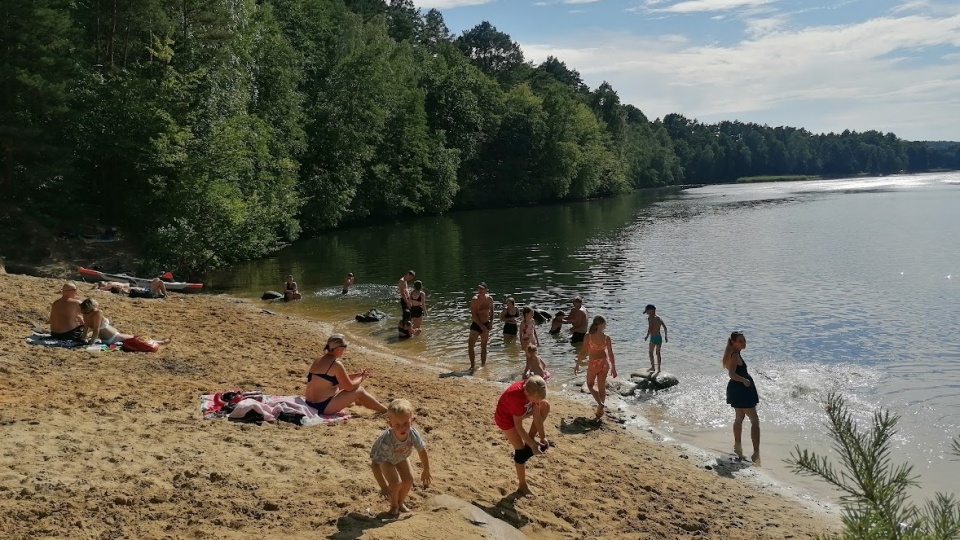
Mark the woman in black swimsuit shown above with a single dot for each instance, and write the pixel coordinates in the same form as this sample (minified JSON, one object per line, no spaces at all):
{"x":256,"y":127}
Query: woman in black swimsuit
{"x":510,"y":316}
{"x":741,"y":395}
{"x":417,"y":303}
{"x":330,"y":389}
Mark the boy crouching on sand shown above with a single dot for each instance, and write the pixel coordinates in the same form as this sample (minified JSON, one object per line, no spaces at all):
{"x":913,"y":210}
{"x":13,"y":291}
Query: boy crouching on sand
{"x":389,"y":456}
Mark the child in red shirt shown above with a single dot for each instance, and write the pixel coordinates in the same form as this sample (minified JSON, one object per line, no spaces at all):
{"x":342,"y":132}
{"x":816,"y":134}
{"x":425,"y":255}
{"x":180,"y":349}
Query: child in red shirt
{"x":520,"y":400}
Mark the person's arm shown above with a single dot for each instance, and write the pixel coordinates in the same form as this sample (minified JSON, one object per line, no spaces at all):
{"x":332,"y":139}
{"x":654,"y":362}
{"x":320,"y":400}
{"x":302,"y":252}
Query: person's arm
{"x":525,"y":436}
{"x":664,"y":325}
{"x":347,"y":381}
{"x":648,"y":331}
{"x":613,"y":360}
{"x":425,"y":477}
{"x":475,"y":313}
{"x":503,"y":314}
{"x":93,"y":327}
{"x":423,"y":303}
{"x":732,"y":372}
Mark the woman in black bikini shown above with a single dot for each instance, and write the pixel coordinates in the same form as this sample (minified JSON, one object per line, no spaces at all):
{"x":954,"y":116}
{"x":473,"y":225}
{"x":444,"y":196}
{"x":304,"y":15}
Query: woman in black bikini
{"x":741,"y":395}
{"x":509,"y":315}
{"x":330,"y":389}
{"x":418,"y":303}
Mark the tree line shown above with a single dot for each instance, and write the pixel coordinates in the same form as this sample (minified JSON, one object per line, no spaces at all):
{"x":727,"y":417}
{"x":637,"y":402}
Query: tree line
{"x":214,"y":131}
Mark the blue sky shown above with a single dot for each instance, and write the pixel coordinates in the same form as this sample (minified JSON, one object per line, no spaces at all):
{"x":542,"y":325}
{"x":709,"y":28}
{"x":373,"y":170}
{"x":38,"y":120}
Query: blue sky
{"x":890,"y":65}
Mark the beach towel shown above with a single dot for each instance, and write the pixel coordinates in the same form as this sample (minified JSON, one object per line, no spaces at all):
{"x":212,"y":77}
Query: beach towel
{"x":239,"y":405}
{"x":45,"y":340}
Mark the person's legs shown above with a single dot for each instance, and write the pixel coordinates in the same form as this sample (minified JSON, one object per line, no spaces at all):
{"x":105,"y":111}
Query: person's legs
{"x":417,"y":321}
{"x":754,"y":433}
{"x":348,"y":397}
{"x":516,"y":441}
{"x":659,"y":358}
{"x":406,"y":483}
{"x":738,"y":431}
{"x":484,"y":338}
{"x":471,"y":343}
{"x":381,"y":481}
{"x":592,"y":374}
{"x":651,"y":350}
{"x":602,"y":389}
{"x":392,"y":477}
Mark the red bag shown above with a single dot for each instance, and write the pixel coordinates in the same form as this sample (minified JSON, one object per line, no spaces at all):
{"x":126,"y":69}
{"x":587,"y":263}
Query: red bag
{"x":139,"y":344}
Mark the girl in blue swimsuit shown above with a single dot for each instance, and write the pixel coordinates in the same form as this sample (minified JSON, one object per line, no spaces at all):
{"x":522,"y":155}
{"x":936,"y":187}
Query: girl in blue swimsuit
{"x":330,"y":389}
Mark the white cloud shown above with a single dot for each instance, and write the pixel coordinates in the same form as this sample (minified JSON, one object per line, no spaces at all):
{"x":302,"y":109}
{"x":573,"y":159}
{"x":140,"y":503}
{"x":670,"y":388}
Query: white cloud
{"x":580,"y":1}
{"x":698,"y":6}
{"x":825,"y":78}
{"x":447,"y":4}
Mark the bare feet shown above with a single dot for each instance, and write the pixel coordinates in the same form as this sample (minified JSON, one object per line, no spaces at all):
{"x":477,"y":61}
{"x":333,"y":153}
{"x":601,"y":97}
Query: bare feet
{"x":394,"y":511}
{"x":738,"y":450}
{"x":404,"y":507}
{"x":524,"y":490}
{"x":599,"y":412}
{"x":755,"y":458}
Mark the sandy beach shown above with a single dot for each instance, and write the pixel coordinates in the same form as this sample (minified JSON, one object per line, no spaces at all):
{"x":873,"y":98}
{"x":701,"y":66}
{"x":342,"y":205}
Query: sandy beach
{"x":112,"y":445}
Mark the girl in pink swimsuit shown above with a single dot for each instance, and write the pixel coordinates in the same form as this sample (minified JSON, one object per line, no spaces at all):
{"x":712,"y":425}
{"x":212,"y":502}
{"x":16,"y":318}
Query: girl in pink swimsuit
{"x":601,"y":360}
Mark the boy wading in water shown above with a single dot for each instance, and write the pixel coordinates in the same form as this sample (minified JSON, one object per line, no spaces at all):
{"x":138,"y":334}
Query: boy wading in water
{"x":653,"y":332}
{"x":390,"y":453}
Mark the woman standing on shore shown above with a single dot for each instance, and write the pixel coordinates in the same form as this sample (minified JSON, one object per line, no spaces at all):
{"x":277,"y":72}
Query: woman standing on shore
{"x":330,"y":389}
{"x":599,"y":347}
{"x":741,"y":395}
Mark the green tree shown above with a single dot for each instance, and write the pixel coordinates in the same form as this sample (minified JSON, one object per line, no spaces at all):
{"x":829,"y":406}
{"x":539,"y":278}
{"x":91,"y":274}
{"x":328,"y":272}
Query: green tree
{"x":875,"y":504}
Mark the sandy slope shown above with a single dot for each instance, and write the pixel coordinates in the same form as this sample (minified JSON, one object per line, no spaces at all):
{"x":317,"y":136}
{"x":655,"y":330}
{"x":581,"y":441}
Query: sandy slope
{"x":111,"y":445}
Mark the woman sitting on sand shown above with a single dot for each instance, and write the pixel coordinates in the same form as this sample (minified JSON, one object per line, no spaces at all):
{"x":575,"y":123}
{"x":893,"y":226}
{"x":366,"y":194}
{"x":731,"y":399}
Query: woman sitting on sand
{"x":98,"y":326}
{"x":600,"y":348}
{"x":330,"y":389}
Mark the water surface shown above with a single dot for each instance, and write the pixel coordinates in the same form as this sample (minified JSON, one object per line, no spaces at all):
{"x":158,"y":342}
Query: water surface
{"x":846,"y":285}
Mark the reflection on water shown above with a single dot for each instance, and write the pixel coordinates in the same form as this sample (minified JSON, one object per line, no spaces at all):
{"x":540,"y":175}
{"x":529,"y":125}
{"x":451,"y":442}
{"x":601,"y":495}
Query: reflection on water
{"x":839,"y":285}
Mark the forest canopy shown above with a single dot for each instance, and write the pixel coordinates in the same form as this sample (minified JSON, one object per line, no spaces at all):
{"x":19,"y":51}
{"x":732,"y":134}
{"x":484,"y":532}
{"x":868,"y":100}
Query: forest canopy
{"x":215,"y":131}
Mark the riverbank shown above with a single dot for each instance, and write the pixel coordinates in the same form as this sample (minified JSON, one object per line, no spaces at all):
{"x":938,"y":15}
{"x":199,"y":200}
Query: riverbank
{"x":112,"y":444}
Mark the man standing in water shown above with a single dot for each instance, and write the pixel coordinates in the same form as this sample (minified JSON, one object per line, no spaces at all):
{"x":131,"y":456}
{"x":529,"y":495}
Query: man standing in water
{"x":404,"y":291}
{"x":578,"y":321}
{"x":481,"y":321}
{"x":65,"y":319}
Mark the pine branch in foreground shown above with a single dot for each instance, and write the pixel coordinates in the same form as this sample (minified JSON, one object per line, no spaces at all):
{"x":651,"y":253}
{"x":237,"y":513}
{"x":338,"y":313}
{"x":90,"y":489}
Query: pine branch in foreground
{"x":874,"y":499}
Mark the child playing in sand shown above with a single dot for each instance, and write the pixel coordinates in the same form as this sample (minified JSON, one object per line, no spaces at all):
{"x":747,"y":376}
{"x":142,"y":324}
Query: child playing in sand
{"x":653,"y":332}
{"x":390,"y":453}
{"x":535,"y":364}
{"x":557,"y":323}
{"x":520,"y":400}
{"x":528,"y":329}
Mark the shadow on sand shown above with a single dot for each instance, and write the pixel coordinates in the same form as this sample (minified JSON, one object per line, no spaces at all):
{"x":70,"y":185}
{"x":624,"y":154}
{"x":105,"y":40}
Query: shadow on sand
{"x":355,"y":524}
{"x":506,"y":510}
{"x":580,"y":425}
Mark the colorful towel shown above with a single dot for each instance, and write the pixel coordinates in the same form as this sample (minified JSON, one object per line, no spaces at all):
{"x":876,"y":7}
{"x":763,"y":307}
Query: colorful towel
{"x":240,"y":405}
{"x":44,"y":340}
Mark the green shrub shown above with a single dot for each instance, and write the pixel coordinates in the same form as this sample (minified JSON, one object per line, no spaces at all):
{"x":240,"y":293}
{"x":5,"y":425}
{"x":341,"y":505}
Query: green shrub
{"x":875,"y":504}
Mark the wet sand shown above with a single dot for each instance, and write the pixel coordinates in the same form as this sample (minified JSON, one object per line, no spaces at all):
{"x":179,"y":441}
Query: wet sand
{"x":112,"y":444}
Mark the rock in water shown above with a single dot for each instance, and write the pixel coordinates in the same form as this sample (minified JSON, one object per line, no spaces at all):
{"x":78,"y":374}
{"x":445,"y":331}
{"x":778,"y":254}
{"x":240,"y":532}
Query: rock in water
{"x":271,"y":295}
{"x":646,"y":383}
{"x":373,"y":315}
{"x":445,"y":516}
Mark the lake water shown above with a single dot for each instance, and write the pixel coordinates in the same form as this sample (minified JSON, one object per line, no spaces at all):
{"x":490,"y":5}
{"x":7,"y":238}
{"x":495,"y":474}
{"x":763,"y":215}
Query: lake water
{"x":846,"y":285}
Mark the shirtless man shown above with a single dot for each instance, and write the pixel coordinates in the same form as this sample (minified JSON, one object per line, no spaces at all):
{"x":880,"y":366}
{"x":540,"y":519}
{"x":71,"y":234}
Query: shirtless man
{"x":404,"y":291}
{"x":66,"y":321}
{"x":481,"y":321}
{"x":577,"y":320}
